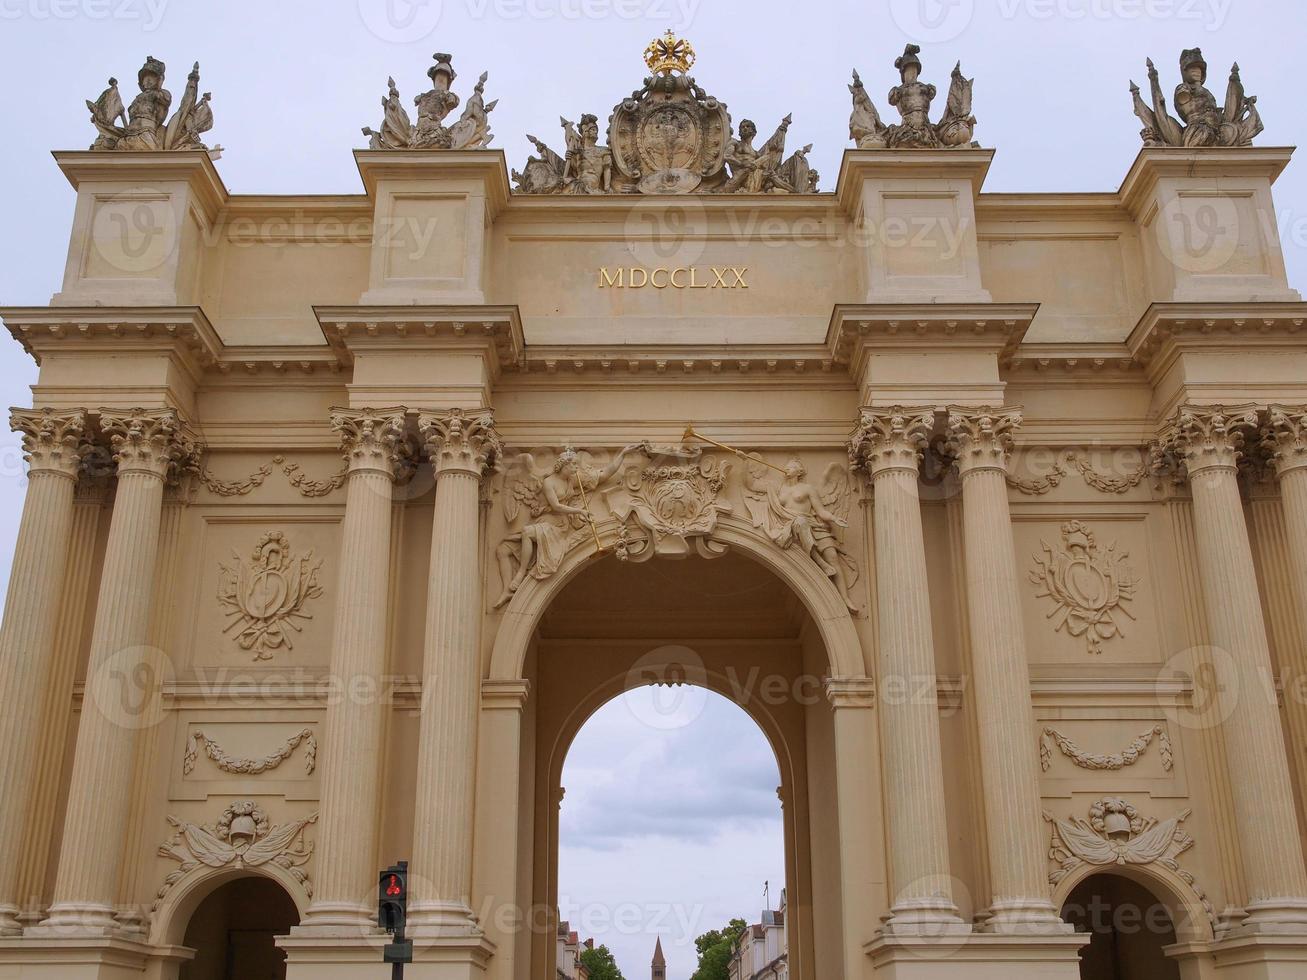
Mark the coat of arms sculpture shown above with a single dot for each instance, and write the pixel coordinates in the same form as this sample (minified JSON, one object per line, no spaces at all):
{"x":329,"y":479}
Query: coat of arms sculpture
{"x":668,"y":137}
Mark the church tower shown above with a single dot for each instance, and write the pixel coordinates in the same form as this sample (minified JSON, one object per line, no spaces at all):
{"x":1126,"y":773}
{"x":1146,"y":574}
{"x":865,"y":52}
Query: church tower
{"x":659,"y":971}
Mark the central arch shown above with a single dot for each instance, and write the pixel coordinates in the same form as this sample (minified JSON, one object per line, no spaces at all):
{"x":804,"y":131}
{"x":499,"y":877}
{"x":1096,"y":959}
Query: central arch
{"x":756,"y":615}
{"x":816,"y":592}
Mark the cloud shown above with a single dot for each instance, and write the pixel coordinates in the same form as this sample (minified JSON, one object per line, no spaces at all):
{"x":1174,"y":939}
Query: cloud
{"x":713,"y":777}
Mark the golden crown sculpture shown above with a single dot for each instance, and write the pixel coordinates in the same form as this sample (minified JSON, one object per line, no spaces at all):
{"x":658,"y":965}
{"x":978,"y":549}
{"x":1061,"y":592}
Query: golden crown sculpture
{"x":669,"y":53}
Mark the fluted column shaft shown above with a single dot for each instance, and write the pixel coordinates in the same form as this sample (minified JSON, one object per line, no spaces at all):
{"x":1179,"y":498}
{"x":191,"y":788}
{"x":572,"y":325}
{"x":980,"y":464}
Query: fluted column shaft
{"x":123,"y":674}
{"x":52,"y":444}
{"x":888,"y":446}
{"x":461,"y":445}
{"x":981,"y":441}
{"x":1209,"y":441}
{"x":354,"y":727}
{"x":1286,"y":439}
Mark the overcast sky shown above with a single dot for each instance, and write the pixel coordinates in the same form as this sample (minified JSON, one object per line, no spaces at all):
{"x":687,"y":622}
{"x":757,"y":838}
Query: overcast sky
{"x":293,"y":81}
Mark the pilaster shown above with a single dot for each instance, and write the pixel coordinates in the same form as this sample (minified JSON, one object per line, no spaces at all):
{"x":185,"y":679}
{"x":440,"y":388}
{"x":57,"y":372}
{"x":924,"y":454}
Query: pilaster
{"x":1208,"y":442}
{"x":888,"y":446}
{"x":148,"y":448}
{"x":981,"y":442}
{"x":462,"y":445}
{"x":374,"y":445}
{"x":53,"y":445}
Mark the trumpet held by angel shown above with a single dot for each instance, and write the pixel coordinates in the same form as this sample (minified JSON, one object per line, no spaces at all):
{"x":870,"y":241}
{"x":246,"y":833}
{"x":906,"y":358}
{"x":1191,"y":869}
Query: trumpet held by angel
{"x":552,"y":505}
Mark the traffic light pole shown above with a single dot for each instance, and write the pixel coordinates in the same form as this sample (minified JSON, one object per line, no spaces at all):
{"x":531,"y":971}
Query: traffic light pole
{"x":392,"y":911}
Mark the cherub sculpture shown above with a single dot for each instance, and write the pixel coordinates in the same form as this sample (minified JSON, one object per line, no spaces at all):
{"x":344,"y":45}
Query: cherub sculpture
{"x":1204,"y":122}
{"x":470,"y":132}
{"x":912,"y":98}
{"x":793,"y":511}
{"x":587,"y":167}
{"x":557,"y":518}
{"x":145,"y":123}
{"x":760,"y":170}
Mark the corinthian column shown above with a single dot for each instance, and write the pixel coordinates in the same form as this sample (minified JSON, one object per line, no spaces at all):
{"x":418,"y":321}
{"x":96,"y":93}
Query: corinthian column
{"x":374,"y":446}
{"x":1209,"y":442}
{"x":52,"y":445}
{"x":981,"y":440}
{"x":462,"y":445}
{"x":123,"y":674}
{"x":1285,"y":437}
{"x":888,"y":445}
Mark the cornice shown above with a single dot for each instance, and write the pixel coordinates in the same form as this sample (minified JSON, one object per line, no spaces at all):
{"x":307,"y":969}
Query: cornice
{"x":488,"y":166}
{"x":970,"y":164}
{"x":92,"y":329}
{"x":1167,"y":329}
{"x":1074,"y":363}
{"x":195,"y":167}
{"x":180,"y":330}
{"x":1155,"y":162}
{"x":681,"y":360}
{"x":1096,"y":206}
{"x":495,"y":329}
{"x":535,"y":208}
{"x":856,"y":330}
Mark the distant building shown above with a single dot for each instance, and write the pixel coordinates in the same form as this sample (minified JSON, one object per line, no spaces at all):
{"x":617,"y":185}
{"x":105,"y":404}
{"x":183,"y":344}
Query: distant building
{"x":762,"y":951}
{"x":658,"y":968}
{"x":570,"y":949}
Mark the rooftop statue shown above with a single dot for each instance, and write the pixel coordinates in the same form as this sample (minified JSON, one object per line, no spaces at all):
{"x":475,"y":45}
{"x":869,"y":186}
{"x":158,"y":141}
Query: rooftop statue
{"x":668,"y":137}
{"x":1203,"y":122}
{"x":145,"y":123}
{"x":470,"y":132}
{"x":912,"y":98}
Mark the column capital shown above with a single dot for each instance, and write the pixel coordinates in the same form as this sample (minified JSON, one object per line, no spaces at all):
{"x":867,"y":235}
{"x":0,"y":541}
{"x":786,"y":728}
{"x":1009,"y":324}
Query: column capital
{"x":156,"y":442}
{"x":981,"y":438}
{"x":372,"y":439}
{"x":1207,"y":437}
{"x":851,"y":692}
{"x":459,"y":440}
{"x":53,"y":442}
{"x":890,"y":439}
{"x":1284,"y":437}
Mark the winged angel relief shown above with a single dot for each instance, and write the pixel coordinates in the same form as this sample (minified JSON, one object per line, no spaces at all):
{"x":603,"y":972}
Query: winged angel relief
{"x":1090,"y":587}
{"x":557,"y":518}
{"x":242,"y":838}
{"x":794,"y":512}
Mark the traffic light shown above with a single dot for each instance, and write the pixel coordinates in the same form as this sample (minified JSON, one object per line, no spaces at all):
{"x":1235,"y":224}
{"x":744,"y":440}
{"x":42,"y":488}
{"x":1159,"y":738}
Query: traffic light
{"x":392,"y":899}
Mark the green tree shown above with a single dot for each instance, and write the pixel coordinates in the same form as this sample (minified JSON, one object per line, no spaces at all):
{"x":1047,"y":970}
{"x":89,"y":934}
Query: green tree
{"x":599,"y":961}
{"x":715,"y":948}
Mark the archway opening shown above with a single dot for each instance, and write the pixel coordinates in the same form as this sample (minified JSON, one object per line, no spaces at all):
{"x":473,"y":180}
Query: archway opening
{"x":671,"y":836}
{"x":1128,"y":926}
{"x":233,"y":932}
{"x":662,"y":636}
